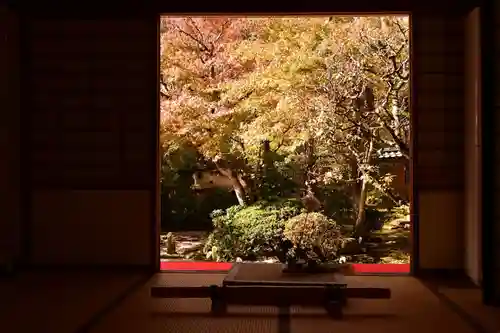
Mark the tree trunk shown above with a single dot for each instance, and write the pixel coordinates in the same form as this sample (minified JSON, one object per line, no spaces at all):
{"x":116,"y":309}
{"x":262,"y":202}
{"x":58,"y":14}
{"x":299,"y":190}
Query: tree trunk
{"x":361,"y":214}
{"x":266,"y":168}
{"x":310,"y":162}
{"x":365,"y":103}
{"x":354,"y":161}
{"x":240,"y":192}
{"x":356,"y":186}
{"x":361,"y":226}
{"x":267,"y":162}
{"x":238,"y":187}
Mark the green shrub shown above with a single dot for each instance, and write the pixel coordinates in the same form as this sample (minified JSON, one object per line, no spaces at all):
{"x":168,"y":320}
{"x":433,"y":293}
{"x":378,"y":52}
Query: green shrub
{"x":251,"y":232}
{"x":400,"y":211}
{"x":376,"y":217}
{"x":337,"y":204}
{"x":315,"y":235}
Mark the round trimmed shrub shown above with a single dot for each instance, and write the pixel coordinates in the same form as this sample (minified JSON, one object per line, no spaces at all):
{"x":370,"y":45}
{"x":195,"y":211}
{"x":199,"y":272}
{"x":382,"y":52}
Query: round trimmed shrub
{"x":315,"y":235}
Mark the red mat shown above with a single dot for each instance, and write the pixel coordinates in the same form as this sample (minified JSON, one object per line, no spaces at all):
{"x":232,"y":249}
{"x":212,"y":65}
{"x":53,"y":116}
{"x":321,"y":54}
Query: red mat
{"x":225,"y":266}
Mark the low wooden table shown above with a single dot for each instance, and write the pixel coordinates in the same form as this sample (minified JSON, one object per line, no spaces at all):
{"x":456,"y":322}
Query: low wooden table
{"x":266,"y":285}
{"x":264,"y":274}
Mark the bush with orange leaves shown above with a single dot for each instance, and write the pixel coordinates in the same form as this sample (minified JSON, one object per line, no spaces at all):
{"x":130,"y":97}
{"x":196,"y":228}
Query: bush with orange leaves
{"x":314,"y":235}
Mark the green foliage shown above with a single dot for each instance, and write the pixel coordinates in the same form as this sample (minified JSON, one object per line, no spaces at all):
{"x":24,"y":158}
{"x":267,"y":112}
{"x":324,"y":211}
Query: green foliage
{"x":375,"y":217}
{"x":400,"y":211}
{"x":337,"y":204}
{"x":177,"y":200}
{"x":279,"y":179}
{"x":280,"y":228}
{"x":251,"y":232}
{"x":396,"y":257}
{"x":181,"y":207}
{"x":315,"y":235}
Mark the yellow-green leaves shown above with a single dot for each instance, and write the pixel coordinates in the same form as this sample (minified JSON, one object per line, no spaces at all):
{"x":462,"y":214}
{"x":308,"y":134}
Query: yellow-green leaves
{"x":233,"y":82}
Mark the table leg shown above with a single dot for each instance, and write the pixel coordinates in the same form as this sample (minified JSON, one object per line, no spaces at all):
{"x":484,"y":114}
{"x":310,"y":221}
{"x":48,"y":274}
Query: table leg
{"x":334,"y":301}
{"x":219,"y":306}
{"x":334,"y":309}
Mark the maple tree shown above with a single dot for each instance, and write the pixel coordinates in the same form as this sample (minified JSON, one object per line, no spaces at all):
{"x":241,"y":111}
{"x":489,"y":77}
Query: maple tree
{"x":196,"y":61}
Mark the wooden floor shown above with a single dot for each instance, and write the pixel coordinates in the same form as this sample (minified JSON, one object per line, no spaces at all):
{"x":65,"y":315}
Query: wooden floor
{"x":119,"y":302}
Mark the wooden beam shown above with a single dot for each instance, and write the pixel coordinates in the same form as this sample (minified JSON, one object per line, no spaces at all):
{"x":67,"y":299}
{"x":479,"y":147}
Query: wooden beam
{"x":252,"y":295}
{"x":250,"y":283}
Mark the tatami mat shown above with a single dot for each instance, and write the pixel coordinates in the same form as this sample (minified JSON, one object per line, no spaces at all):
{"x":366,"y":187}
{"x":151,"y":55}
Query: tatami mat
{"x":58,"y":302}
{"x":64,"y":302}
{"x":140,"y":313}
{"x":469,"y":301}
{"x":413,"y":308}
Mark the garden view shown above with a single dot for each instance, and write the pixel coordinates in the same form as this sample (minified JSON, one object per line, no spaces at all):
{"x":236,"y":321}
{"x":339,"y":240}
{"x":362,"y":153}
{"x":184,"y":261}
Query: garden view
{"x":285,"y":139}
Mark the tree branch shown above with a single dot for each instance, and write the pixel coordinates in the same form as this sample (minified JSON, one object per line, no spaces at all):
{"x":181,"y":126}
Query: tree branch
{"x":282,"y":141}
{"x":193,"y":24}
{"x":240,"y":142}
{"x":200,"y":43}
{"x":225,"y":25}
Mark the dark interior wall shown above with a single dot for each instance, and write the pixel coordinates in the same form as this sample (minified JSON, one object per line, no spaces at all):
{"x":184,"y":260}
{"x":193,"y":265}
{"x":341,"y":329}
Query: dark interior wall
{"x":438,"y":111}
{"x":9,"y":138}
{"x":492,"y":31}
{"x":90,"y":141}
